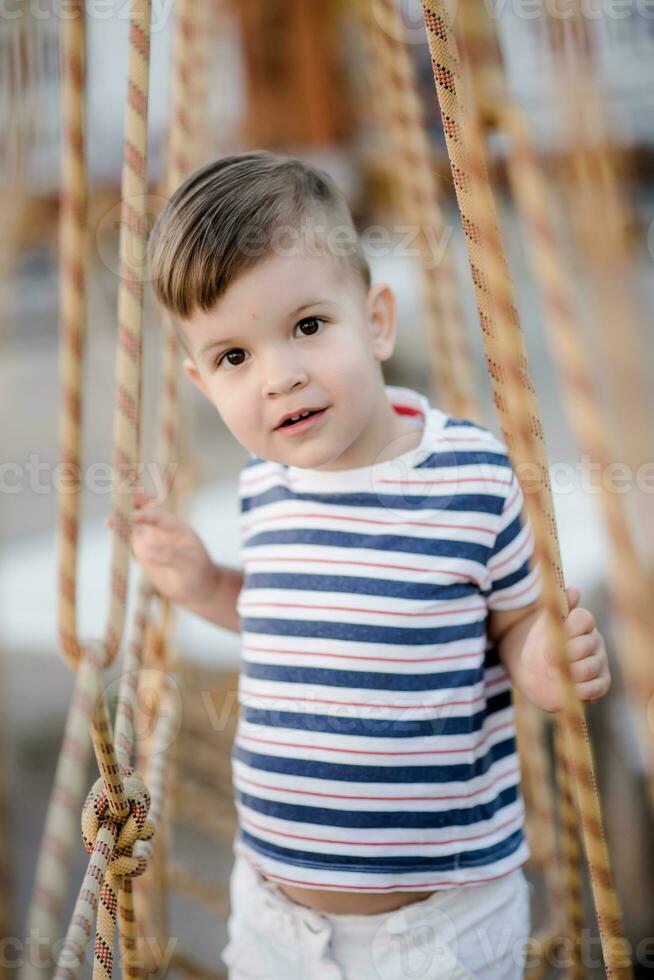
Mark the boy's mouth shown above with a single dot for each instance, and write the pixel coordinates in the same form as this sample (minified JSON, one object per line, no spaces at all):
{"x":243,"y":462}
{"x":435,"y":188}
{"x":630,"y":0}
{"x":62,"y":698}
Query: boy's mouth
{"x":301,"y":421}
{"x":299,"y":417}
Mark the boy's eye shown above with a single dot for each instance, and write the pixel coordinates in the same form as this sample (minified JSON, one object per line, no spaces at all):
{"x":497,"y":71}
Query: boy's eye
{"x":230,"y":354}
{"x":310,"y":322}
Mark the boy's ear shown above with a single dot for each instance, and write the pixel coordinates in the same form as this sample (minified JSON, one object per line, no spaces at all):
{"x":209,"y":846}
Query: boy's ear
{"x":192,"y":373}
{"x":382,"y":320}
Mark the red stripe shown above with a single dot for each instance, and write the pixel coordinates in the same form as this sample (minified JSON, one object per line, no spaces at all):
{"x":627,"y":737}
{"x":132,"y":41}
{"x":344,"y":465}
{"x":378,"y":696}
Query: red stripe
{"x":358,"y":704}
{"x":250,"y":481}
{"x":251,"y":604}
{"x":329,"y":748}
{"x":367,"y":520}
{"x":369,"y":564}
{"x":525,"y":546}
{"x":507,"y":507}
{"x":442,"y":883}
{"x":457,"y":479}
{"x":408,"y":410}
{"x":516,"y":595}
{"x":382,"y":843}
{"x":347,"y":656}
{"x":391,"y":799}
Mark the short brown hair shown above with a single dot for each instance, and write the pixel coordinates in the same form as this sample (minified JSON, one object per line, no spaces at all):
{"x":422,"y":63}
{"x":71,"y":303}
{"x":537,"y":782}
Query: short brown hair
{"x":224,"y":218}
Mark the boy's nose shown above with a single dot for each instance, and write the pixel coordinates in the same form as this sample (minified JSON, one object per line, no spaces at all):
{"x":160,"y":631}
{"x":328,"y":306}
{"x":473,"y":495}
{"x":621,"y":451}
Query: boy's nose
{"x":283,"y":380}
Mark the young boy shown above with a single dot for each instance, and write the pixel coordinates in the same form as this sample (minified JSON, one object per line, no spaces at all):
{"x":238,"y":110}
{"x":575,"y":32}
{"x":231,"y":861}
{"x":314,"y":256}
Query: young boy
{"x":386,"y":602}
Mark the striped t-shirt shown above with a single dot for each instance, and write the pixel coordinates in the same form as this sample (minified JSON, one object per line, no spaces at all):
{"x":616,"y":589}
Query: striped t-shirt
{"x":375,"y":749}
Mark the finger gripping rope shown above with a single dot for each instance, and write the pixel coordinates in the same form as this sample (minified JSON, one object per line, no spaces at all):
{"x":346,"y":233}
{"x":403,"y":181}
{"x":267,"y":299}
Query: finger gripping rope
{"x":96,"y":813}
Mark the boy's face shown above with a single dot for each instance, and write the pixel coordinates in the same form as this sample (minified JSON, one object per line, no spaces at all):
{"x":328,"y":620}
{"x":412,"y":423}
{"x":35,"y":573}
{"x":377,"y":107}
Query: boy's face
{"x":294,"y":333}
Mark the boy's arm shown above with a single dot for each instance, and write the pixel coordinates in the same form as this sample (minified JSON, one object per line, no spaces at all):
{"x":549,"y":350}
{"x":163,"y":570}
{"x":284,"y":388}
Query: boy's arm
{"x":508,"y":629}
{"x":218,"y":602}
{"x":525,"y":649}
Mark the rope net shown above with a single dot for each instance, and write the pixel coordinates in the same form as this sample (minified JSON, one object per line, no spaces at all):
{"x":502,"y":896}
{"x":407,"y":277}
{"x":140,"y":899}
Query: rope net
{"x":127,"y":815}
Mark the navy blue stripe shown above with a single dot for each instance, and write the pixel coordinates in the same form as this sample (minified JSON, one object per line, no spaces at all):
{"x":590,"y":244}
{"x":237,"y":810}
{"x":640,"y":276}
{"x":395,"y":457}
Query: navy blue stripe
{"x":512,"y":579}
{"x":363,"y":679}
{"x":509,"y":534}
{"x":387,"y":865}
{"x":341,"y":772}
{"x":359,"y":585}
{"x":464,"y":424}
{"x":337,"y":724}
{"x":482,"y":503}
{"x":466,"y":457}
{"x":386,"y":543}
{"x":381,"y":820}
{"x":364,"y":632}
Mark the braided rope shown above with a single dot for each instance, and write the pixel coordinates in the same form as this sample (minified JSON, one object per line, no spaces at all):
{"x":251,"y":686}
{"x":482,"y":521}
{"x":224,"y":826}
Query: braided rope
{"x":563,"y":873}
{"x":595,"y":191}
{"x":627,"y":574}
{"x":394,"y":84}
{"x":160,"y":768}
{"x":521,"y":425}
{"x":395,"y":87}
{"x":180,"y":140}
{"x":112,"y":840}
{"x":61,"y":823}
{"x":490,"y":95}
{"x":72,"y":313}
{"x":126,"y":433}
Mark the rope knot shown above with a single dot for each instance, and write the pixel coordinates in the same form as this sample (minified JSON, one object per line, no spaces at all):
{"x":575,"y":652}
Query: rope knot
{"x":131,"y":827}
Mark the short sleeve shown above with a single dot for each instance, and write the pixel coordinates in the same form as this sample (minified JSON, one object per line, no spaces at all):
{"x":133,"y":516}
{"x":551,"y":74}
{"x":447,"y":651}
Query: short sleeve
{"x":514,"y":577}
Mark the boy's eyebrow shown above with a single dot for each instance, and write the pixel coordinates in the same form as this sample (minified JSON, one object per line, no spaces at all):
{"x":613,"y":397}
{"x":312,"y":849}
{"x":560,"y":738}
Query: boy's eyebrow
{"x":304,"y":306}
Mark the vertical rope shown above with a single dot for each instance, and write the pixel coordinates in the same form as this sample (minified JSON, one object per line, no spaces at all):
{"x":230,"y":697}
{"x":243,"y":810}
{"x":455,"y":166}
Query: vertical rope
{"x":519,"y":416}
{"x":72,"y":316}
{"x":120,"y":823}
{"x":563,"y":874}
{"x":490,"y":94}
{"x":61,"y":823}
{"x":395,"y":89}
{"x":627,"y":575}
{"x":133,"y":245}
{"x":191,"y":19}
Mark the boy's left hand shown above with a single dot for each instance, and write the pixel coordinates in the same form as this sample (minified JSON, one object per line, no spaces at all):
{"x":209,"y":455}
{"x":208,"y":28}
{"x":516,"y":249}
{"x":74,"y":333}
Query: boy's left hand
{"x":589,"y":664}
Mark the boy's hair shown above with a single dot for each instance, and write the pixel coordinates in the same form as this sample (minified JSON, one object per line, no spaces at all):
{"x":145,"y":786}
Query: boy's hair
{"x":238,"y":210}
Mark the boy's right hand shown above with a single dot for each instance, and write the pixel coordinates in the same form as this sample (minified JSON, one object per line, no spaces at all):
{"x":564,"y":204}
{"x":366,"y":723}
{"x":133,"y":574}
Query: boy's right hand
{"x":170,"y":552}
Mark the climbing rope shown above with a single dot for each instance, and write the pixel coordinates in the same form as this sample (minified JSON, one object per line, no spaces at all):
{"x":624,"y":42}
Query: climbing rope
{"x":118,"y":819}
{"x":562,"y":873}
{"x":395,"y":89}
{"x":628,"y":578}
{"x":520,"y":420}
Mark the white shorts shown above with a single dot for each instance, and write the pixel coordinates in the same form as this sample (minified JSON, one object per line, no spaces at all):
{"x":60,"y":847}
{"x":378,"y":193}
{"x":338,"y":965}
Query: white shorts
{"x":458,"y":934}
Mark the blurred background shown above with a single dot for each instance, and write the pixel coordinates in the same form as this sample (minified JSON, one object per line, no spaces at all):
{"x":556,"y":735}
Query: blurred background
{"x":301,"y":77}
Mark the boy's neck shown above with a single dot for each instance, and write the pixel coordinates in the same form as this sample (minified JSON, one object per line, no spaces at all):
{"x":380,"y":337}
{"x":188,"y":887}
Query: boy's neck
{"x":389,"y":435}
